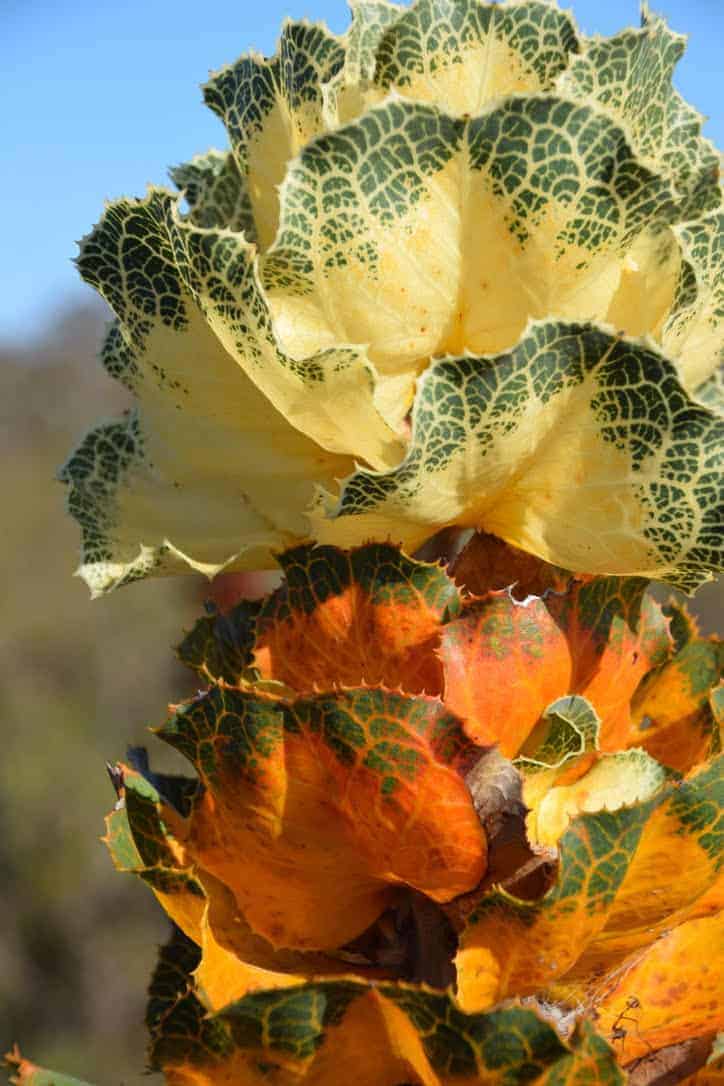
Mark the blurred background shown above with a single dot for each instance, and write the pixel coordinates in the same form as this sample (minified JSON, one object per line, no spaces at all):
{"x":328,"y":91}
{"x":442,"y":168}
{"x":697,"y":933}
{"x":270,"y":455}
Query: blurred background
{"x":99,"y":102}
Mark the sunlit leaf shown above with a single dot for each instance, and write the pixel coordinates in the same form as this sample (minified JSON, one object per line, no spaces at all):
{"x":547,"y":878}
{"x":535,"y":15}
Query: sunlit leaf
{"x":561,"y":749}
{"x":569,"y":728}
{"x":315,"y":811}
{"x":458,"y":56}
{"x":686,"y":824}
{"x":618,"y":633}
{"x":271,"y":108}
{"x":542,"y":446}
{"x":411,"y":280}
{"x":613,"y":781}
{"x":671,"y":714}
{"x":693,"y":331}
{"x":236,"y":962}
{"x":609,"y":902}
{"x":343,"y":1031}
{"x":677,"y":985}
{"x":144,"y":489}
{"x":630,"y":77}
{"x":516,"y":947}
{"x":371,"y":615}
{"x":215,"y":193}
{"x":596,"y":639}
{"x":410,"y":265}
{"x":503,"y":663}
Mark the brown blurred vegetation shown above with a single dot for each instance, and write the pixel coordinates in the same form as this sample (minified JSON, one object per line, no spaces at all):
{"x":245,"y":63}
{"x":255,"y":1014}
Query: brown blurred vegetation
{"x":80,"y":680}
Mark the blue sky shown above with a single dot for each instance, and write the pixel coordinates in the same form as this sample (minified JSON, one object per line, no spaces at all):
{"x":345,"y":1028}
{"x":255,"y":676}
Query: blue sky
{"x":99,"y":99}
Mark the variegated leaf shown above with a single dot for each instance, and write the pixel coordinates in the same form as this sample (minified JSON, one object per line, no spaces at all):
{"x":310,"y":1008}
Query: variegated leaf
{"x":609,"y":902}
{"x":370,"y":616}
{"x":576,"y":445}
{"x":343,"y":1031}
{"x":141,"y":841}
{"x":630,"y":77}
{"x":315,"y":812}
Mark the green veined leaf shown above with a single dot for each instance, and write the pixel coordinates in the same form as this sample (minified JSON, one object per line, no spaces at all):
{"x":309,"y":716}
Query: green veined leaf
{"x":630,"y":77}
{"x":577,"y":446}
{"x":215,"y":193}
{"x":316,"y":812}
{"x":455,"y":54}
{"x":271,"y":108}
{"x":693,"y":333}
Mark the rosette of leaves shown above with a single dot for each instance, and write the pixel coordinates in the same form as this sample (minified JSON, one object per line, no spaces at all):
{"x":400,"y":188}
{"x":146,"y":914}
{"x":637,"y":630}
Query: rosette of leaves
{"x":431,"y":833}
{"x":458,"y":266}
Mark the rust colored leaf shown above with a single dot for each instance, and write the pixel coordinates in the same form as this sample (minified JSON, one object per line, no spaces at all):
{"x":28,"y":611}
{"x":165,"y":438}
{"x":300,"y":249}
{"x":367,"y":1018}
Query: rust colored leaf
{"x":236,"y":962}
{"x":617,"y":633}
{"x":487,"y":564}
{"x":671,"y":992}
{"x":505,"y":661}
{"x":672,"y":716}
{"x":314,"y":812}
{"x":616,"y":893}
{"x":342,"y":618}
{"x":515,"y":947}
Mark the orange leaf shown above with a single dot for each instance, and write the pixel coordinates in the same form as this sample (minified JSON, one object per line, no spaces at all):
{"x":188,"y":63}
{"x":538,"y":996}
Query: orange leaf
{"x":512,"y":947}
{"x":684,"y":826}
{"x":236,"y":962}
{"x":616,"y":891}
{"x":671,"y":714}
{"x":367,"y":1040}
{"x":140,"y":838}
{"x":344,"y":1030}
{"x":487,"y":564}
{"x":670,"y":992}
{"x":617,"y":633}
{"x":314,"y":812}
{"x":505,"y":661}
{"x":343,"y":618}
